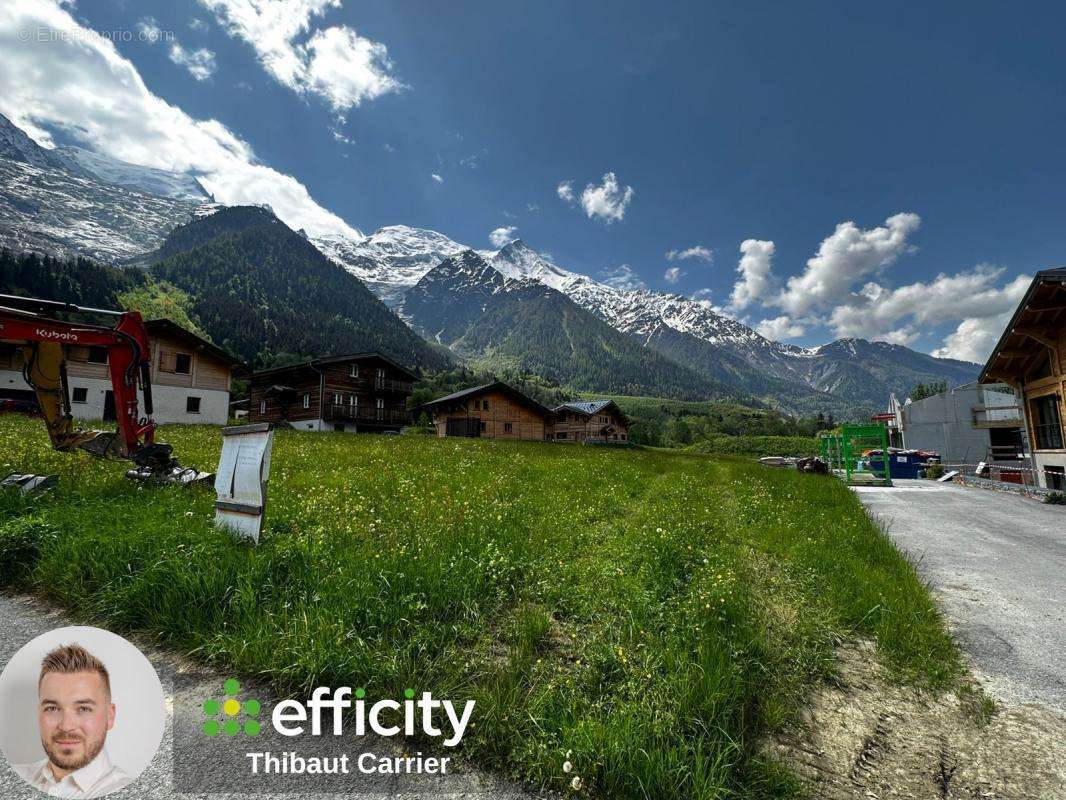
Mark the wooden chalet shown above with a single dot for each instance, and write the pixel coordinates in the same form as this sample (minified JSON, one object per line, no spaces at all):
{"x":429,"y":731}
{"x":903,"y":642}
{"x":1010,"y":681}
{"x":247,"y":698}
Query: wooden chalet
{"x":1030,"y":357}
{"x":599,"y":421}
{"x":365,"y":392}
{"x":493,"y":411}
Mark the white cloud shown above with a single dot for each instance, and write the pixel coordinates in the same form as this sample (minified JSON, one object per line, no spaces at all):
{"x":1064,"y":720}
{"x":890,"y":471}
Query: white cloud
{"x":974,"y":339}
{"x":780,"y":328}
{"x":200,"y":63}
{"x":149,"y":29}
{"x":622,"y":277}
{"x":697,"y":251}
{"x":334,"y":63}
{"x":756,"y":277}
{"x":901,"y":315}
{"x":532,"y":207}
{"x":197,"y":24}
{"x":338,"y":135}
{"x":80,"y":83}
{"x":436,"y":178}
{"x":565,"y":190}
{"x":844,"y":257}
{"x":608,"y":200}
{"x":501,"y":236}
{"x":703,"y":295}
{"x":673,"y":274}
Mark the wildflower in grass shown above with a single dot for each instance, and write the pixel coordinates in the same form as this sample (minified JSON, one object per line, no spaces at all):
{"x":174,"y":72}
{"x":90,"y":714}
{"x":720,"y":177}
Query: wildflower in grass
{"x":568,"y":767}
{"x":575,"y":783}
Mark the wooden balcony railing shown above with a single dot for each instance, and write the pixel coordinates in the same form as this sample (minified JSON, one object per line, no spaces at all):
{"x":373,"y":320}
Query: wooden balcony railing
{"x":398,"y":416}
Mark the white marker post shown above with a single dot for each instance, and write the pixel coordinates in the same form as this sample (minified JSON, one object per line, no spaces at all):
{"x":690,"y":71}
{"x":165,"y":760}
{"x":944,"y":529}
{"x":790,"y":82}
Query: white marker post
{"x":241,"y":480}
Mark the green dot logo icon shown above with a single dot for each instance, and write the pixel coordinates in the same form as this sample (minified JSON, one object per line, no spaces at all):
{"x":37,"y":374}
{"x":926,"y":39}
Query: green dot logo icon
{"x":230,"y":716}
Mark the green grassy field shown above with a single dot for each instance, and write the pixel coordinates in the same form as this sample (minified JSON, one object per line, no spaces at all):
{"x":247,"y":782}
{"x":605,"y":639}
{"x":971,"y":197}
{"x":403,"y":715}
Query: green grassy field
{"x":654,"y":613}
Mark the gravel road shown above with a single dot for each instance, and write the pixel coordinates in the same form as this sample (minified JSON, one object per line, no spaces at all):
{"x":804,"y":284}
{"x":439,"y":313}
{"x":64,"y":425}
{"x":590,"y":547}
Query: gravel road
{"x":997,"y":564}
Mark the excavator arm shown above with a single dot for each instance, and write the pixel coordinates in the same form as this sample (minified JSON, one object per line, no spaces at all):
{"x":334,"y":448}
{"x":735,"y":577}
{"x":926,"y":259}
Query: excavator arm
{"x":44,"y":340}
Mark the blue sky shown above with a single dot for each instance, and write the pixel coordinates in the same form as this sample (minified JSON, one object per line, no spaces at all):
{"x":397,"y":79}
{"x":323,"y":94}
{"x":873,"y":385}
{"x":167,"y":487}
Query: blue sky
{"x":729,"y":122}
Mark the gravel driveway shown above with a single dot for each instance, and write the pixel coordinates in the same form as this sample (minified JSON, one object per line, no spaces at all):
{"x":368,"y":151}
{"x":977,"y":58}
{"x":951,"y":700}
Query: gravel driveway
{"x":997,"y":564}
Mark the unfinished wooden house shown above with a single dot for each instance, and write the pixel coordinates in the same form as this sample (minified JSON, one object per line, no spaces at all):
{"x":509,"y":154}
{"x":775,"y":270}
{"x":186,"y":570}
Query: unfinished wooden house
{"x":1030,"y":357}
{"x":365,"y":392}
{"x":492,"y":411}
{"x":190,"y":377}
{"x":600,"y":421}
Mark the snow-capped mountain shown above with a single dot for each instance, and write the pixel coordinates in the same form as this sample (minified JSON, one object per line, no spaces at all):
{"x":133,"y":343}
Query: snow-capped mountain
{"x":159,"y":182}
{"x":691,"y":332}
{"x":52,"y":202}
{"x":391,"y":260}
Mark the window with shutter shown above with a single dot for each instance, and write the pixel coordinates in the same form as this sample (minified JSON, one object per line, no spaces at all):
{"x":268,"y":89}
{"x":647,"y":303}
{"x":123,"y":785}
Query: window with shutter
{"x":307,"y":400}
{"x":168,"y":362}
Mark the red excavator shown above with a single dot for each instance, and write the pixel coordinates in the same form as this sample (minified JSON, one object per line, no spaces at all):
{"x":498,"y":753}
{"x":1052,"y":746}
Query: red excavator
{"x":32,"y":326}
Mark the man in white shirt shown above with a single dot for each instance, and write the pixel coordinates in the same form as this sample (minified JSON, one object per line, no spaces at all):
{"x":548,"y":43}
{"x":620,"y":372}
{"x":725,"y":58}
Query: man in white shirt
{"x":74,"y":714}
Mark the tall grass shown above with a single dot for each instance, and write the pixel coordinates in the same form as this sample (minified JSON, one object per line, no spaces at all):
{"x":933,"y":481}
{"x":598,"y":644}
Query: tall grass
{"x":654,"y":613}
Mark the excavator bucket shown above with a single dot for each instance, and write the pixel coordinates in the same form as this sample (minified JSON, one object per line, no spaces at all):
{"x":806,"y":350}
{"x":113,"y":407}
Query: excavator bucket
{"x":102,"y":444}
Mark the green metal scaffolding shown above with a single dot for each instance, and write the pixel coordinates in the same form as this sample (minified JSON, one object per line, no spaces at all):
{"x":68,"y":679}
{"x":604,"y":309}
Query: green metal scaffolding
{"x":843,"y":453}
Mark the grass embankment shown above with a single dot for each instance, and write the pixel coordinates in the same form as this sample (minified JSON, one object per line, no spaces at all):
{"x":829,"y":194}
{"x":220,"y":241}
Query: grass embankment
{"x":652,"y":612}
{"x":758,"y":446}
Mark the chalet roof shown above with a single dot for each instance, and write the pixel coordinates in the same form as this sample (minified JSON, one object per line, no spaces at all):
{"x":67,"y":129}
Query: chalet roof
{"x":488,"y":388}
{"x":326,"y":360}
{"x":166,"y":327}
{"x":1001,"y":355}
{"x":590,"y":407}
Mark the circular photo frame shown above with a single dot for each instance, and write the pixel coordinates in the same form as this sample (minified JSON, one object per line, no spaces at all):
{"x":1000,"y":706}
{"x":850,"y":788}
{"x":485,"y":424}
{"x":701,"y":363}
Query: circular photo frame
{"x":83,"y":712}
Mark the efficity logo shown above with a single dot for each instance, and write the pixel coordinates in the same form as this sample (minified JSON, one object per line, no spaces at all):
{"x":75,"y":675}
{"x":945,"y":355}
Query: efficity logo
{"x":425,"y":715}
{"x":235,"y":715}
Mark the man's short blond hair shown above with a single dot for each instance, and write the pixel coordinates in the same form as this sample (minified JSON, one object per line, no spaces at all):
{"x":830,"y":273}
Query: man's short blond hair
{"x":72,"y":658}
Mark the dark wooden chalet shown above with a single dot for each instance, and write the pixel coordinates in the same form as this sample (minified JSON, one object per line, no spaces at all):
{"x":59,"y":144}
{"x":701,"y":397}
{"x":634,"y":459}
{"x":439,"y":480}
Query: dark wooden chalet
{"x":591,"y":421}
{"x":366,"y":392}
{"x":493,"y":411}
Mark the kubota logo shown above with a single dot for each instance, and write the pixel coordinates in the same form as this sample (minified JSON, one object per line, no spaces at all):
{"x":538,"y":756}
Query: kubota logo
{"x":44,"y":333}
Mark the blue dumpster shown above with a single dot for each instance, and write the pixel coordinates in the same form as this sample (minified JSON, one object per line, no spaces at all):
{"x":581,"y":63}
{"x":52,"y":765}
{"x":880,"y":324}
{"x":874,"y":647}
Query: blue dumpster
{"x":902,"y":463}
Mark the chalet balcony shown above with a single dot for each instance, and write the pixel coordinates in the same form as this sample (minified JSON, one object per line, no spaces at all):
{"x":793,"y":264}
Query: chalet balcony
{"x":382,"y":416}
{"x":998,"y":407}
{"x":389,"y":385}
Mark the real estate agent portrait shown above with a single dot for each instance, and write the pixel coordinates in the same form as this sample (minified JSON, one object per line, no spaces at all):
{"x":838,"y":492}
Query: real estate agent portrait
{"x":86,"y":720}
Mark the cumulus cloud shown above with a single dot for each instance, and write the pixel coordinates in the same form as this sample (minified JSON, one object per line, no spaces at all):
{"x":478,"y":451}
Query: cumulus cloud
{"x":756,"y":276}
{"x":335,"y":63}
{"x":780,"y":328}
{"x":436,"y":178}
{"x":565,"y":190}
{"x":622,"y":277}
{"x":197,"y":24}
{"x":607,"y":200}
{"x":703,"y":295}
{"x":673,"y":274}
{"x":80,"y":83}
{"x":899,"y":315}
{"x":697,"y":251}
{"x":844,"y":257}
{"x":501,"y":236}
{"x":149,"y":29}
{"x":974,"y":339}
{"x":200,"y":63}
